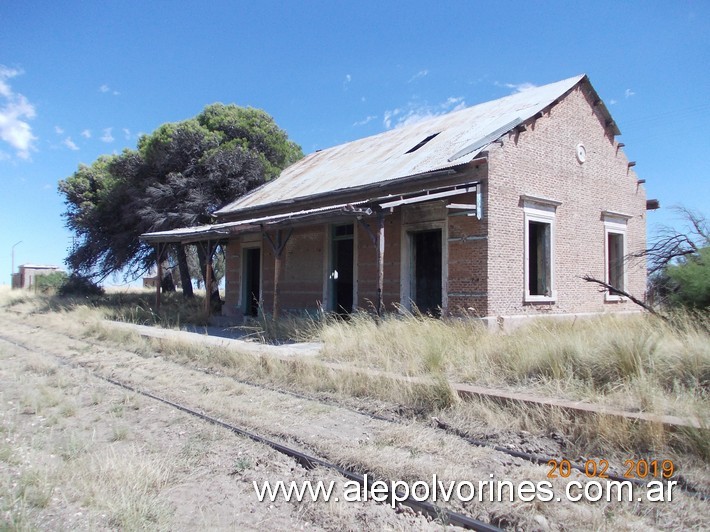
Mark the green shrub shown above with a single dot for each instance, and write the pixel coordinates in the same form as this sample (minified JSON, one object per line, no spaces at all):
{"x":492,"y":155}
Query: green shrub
{"x":50,"y":282}
{"x":690,"y":281}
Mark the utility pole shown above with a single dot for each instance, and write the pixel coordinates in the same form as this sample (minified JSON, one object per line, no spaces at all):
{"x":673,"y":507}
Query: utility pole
{"x":12,"y":271}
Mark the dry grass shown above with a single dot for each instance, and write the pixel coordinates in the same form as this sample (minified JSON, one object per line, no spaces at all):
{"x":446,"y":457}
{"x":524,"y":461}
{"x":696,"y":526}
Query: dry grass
{"x":410,"y":452}
{"x":54,"y":462}
{"x":638,"y":363}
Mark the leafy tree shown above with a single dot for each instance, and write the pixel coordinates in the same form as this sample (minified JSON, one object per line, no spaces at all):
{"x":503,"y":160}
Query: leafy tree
{"x":679,"y":263}
{"x":98,"y":199}
{"x":177,"y":177}
{"x":691,"y":280}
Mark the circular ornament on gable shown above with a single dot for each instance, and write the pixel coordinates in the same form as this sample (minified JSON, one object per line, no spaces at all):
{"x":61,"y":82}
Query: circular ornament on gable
{"x":581,"y":153}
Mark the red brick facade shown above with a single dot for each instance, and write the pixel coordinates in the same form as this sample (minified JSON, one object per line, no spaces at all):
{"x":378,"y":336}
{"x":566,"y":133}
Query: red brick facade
{"x":484,"y":264}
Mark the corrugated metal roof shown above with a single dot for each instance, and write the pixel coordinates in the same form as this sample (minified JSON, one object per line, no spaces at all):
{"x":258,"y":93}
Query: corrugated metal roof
{"x":460,"y":136}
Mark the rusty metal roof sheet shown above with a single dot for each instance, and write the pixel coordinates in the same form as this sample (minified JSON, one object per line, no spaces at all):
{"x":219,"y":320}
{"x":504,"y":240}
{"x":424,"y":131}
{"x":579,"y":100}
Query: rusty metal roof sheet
{"x":450,"y":140}
{"x":219,"y":231}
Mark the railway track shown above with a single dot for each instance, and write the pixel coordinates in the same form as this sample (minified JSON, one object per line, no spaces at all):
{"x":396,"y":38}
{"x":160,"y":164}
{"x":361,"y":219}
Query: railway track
{"x":444,"y":515}
{"x":534,"y":458}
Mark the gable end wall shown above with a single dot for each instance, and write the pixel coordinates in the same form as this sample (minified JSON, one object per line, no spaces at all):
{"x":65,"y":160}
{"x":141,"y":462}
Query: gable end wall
{"x":541,"y":161}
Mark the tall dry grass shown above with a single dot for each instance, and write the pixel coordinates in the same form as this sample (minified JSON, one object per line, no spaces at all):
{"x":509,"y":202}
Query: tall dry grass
{"x":642,"y":361}
{"x":638,"y":363}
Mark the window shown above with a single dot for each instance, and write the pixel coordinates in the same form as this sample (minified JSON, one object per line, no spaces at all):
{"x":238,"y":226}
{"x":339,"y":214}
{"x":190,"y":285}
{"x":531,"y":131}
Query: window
{"x":539,"y":259}
{"x":615,"y":253}
{"x":539,"y":249}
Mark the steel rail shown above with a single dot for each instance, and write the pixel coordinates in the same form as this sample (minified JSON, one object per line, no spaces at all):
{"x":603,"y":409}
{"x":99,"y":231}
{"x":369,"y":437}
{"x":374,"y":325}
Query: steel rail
{"x":683,"y":484}
{"x":311,"y":462}
{"x":448,"y":517}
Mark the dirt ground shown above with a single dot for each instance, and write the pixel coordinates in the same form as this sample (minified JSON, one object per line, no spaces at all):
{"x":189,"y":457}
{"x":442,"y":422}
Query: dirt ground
{"x":77,"y":452}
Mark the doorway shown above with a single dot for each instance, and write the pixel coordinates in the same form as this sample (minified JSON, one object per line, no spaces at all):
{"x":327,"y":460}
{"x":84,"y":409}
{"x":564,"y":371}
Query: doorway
{"x":427,"y":271}
{"x":252,"y":281}
{"x":342,"y":272}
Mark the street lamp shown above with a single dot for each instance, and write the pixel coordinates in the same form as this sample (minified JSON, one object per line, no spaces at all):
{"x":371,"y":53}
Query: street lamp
{"x":12,"y":271}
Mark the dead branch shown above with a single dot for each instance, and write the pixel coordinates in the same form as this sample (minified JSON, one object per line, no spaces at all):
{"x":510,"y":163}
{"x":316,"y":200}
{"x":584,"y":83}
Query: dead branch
{"x":672,"y":244}
{"x":610,"y":288}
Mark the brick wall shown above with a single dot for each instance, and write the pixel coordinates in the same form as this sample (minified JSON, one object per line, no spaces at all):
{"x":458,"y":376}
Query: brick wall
{"x":541,"y":161}
{"x":468,"y":262}
{"x":232,"y":278}
{"x":485,"y":258}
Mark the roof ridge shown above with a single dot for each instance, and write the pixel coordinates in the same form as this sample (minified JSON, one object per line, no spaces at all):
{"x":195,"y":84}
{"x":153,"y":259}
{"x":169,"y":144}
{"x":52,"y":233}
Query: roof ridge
{"x":442,"y":141}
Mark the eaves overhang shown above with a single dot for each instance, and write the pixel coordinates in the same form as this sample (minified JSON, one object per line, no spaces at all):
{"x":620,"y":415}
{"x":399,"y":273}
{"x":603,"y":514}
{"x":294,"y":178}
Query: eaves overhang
{"x":357,"y":194}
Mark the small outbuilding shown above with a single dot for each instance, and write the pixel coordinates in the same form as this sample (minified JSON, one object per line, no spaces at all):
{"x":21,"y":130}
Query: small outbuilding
{"x":27,"y":274}
{"x":496,"y":210}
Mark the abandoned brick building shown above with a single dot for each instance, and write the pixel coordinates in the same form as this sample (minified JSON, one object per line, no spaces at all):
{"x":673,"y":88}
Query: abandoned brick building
{"x":498,"y":209}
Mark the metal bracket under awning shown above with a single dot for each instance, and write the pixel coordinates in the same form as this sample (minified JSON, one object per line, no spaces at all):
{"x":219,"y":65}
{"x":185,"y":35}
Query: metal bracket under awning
{"x":465,"y":209}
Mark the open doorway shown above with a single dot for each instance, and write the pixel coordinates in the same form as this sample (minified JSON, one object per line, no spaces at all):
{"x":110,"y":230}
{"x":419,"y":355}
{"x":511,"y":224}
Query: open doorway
{"x":342,"y":271}
{"x":427,"y":271}
{"x":251,"y":281}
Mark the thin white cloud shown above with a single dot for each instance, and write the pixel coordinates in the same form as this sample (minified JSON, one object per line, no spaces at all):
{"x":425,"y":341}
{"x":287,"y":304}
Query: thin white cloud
{"x":454,"y":103}
{"x":420,"y":74}
{"x":517,"y":87}
{"x":69,"y":143}
{"x":613,"y":102}
{"x":15,"y":109}
{"x":389,"y":116}
{"x":107,"y":136}
{"x":418,"y":111}
{"x":58,"y":130}
{"x":86,"y":133}
{"x":629,"y":93}
{"x":106,"y":89}
{"x":127,"y":133}
{"x":365,"y":120}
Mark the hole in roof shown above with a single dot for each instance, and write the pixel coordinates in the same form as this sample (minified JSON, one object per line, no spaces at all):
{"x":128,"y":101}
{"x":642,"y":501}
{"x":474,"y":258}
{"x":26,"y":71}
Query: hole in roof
{"x":422,"y":143}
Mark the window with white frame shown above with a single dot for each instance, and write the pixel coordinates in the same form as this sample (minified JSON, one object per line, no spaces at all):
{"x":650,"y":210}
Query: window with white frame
{"x":615,"y":253}
{"x":539,"y":248}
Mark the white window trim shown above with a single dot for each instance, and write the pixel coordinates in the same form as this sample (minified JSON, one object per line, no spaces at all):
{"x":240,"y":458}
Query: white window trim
{"x":615,"y":224}
{"x":539,"y":210}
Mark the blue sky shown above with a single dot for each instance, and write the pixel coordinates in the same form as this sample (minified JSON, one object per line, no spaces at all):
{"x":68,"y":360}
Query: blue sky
{"x":81,"y":79}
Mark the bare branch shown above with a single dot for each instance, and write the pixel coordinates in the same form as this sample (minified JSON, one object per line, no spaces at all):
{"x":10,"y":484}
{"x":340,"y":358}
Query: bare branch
{"x":611,"y":288}
{"x":672,"y":243}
